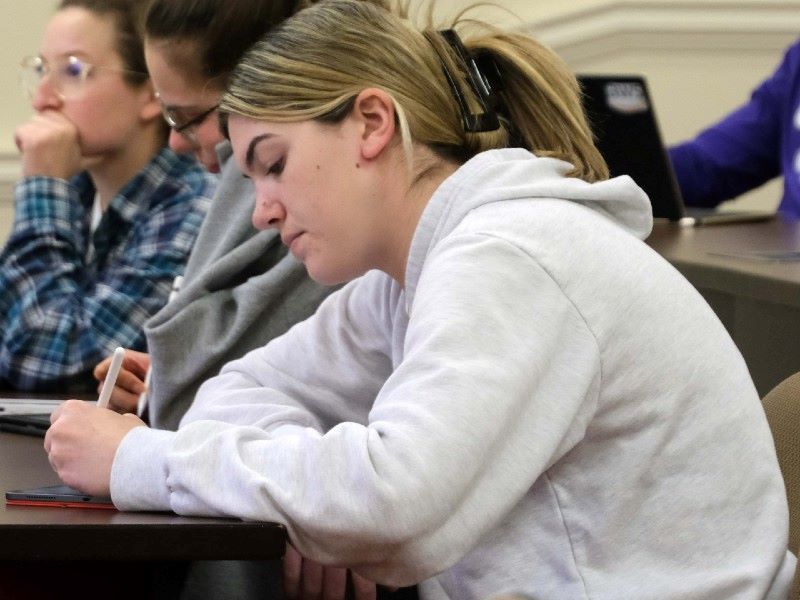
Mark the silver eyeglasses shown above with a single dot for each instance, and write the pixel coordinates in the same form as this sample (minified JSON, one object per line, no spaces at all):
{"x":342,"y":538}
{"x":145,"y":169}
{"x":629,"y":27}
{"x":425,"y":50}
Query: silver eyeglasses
{"x":184,"y":124}
{"x":67,"y":74}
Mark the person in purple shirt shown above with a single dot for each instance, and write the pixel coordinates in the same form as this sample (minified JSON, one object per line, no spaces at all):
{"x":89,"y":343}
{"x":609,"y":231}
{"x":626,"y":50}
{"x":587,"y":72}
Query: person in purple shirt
{"x":753,"y":144}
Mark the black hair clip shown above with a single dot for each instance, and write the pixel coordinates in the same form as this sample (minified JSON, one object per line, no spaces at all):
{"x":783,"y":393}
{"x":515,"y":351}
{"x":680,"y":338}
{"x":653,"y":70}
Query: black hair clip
{"x":484,"y":78}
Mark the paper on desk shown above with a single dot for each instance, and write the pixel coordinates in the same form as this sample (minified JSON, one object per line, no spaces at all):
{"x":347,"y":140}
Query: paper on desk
{"x":27,"y":406}
{"x":790,"y":256}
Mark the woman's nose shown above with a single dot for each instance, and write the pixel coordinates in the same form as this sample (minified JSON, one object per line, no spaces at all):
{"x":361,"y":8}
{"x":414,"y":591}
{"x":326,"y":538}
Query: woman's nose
{"x":179,"y":143}
{"x":45,"y":97}
{"x":268,"y":212}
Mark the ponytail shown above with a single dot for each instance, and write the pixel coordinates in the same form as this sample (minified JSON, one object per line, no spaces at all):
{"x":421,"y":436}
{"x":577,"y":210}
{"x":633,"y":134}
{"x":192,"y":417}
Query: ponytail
{"x":494,"y":91}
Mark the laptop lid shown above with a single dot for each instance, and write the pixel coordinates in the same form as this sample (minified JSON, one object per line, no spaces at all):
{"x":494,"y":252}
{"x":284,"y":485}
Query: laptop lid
{"x":36,"y":425}
{"x":21,"y":412}
{"x":623,"y":121}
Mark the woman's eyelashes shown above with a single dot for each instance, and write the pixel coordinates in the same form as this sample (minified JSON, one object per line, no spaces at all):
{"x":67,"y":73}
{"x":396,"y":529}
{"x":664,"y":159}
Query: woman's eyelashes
{"x":276,"y":168}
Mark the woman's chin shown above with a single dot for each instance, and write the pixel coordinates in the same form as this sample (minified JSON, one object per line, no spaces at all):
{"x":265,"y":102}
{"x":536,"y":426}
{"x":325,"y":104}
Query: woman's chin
{"x":325,"y":276}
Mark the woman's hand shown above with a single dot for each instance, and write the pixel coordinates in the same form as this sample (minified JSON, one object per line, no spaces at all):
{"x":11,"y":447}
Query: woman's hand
{"x":49,"y":145}
{"x":305,"y":579}
{"x":130,"y":381}
{"x":82,"y":441}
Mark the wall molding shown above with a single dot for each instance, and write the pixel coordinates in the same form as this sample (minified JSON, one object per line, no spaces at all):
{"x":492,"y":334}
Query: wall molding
{"x":687,"y":25}
{"x":618,"y":27}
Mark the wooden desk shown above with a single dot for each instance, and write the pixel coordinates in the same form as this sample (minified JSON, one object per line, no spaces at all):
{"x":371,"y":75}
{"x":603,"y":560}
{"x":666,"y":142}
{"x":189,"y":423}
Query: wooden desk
{"x":757,"y":297}
{"x":29,"y":533}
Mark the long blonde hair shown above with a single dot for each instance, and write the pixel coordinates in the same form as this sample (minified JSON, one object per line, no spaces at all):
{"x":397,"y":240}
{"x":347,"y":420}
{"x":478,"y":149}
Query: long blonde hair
{"x":314,"y":64}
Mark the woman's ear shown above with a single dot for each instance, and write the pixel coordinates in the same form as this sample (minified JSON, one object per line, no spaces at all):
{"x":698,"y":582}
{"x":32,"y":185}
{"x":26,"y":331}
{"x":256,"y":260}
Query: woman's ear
{"x":375,"y":113}
{"x":150,"y":106}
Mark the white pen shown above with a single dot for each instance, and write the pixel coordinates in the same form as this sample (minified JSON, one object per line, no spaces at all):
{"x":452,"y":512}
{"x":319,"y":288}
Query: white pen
{"x":111,"y":378}
{"x":142,"y":402}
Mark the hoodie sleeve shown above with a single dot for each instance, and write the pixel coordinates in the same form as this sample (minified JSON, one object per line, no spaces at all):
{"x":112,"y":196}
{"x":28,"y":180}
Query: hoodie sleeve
{"x":499,"y":378}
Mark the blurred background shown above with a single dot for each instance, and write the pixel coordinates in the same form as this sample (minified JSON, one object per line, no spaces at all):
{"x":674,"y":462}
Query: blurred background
{"x":700,"y":57}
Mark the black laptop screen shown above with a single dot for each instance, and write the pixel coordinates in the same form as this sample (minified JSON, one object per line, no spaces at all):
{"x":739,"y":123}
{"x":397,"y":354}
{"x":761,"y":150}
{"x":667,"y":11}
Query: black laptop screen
{"x":623,"y":121}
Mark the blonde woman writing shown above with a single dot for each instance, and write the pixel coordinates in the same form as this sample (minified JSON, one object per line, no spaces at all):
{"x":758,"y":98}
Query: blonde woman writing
{"x":514,"y":393}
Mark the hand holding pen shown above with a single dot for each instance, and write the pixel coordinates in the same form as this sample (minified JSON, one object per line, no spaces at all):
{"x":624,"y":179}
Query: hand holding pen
{"x":130,"y":380}
{"x":129,"y":395}
{"x":83,"y":439}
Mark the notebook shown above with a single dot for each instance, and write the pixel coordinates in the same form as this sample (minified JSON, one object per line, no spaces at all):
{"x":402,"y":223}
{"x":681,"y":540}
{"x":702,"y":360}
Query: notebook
{"x":623,"y":120}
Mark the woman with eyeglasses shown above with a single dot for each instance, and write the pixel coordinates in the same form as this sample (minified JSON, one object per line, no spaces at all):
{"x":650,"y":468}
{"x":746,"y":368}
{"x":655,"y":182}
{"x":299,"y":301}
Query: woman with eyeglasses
{"x":105,"y":215}
{"x":514,"y":393}
{"x":241,"y":287}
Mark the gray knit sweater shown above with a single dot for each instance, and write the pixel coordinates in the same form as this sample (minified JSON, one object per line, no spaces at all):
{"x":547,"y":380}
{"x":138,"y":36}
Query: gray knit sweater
{"x":241,"y":289}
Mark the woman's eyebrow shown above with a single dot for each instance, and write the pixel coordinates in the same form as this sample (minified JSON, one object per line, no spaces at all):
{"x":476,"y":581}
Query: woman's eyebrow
{"x":251,"y":149}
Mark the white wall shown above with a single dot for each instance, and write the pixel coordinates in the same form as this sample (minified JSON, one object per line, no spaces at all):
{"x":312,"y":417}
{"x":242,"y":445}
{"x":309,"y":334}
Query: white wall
{"x":701,"y":57}
{"x":20,"y":28}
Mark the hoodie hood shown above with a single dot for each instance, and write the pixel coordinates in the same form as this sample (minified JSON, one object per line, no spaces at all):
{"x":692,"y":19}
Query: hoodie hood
{"x":516,"y":174}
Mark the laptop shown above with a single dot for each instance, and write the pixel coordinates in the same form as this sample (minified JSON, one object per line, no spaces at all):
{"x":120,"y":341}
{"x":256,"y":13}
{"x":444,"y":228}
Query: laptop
{"x":35,"y":425}
{"x":623,"y":120}
{"x":27,"y":415}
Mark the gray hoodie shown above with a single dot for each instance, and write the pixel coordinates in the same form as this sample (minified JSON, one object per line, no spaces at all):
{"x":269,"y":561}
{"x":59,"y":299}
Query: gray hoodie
{"x":241,"y":289}
{"x":547,"y":408}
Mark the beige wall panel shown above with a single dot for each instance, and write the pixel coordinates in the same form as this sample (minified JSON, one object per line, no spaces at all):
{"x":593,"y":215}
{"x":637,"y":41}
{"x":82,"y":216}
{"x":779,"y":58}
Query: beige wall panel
{"x":20,"y":28}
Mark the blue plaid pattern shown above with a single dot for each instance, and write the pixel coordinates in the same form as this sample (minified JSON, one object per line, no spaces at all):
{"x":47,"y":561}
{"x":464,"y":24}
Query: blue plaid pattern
{"x":61,"y":310}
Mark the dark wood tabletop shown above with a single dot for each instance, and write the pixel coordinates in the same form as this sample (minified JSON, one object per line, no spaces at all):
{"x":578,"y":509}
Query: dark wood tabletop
{"x":28,"y":533}
{"x":757,"y":260}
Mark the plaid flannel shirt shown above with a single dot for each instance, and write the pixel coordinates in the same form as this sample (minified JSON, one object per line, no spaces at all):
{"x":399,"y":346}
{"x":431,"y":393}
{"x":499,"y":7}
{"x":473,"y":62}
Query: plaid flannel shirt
{"x":61,"y":310}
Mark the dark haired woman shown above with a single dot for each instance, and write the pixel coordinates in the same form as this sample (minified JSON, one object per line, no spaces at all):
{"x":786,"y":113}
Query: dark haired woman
{"x":241,"y":286}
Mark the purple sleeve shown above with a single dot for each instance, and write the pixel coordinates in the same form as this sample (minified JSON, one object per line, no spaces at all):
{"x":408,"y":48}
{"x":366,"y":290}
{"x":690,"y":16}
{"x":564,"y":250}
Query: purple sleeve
{"x":744,"y":149}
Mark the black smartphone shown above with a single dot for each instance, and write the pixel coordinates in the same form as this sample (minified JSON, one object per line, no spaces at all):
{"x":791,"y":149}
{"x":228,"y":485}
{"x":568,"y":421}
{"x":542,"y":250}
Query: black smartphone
{"x":61,"y":496}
